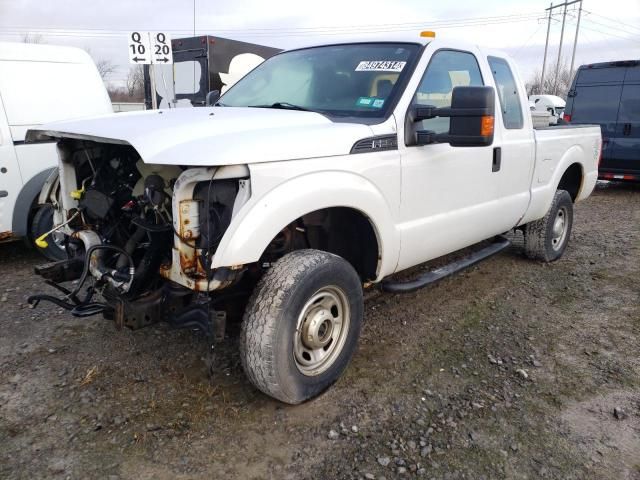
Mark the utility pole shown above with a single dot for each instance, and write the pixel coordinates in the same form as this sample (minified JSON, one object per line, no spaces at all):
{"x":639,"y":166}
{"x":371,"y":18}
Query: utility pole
{"x":555,"y":80}
{"x":575,"y":40}
{"x":546,"y":47}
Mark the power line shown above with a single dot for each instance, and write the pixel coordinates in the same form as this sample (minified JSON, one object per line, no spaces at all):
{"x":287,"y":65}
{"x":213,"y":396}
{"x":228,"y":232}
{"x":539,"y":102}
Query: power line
{"x":296,"y":29}
{"x":528,"y":39}
{"x":300,"y":31}
{"x":613,"y":28}
{"x":617,"y":22}
{"x":612,"y":34}
{"x":271,"y":35}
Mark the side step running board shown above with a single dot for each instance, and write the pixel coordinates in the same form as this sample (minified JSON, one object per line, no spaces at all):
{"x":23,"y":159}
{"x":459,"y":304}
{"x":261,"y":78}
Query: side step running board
{"x":438,"y":274}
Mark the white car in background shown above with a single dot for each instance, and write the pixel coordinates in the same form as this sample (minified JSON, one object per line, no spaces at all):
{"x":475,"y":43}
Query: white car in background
{"x":549,"y":103}
{"x":39,"y":84}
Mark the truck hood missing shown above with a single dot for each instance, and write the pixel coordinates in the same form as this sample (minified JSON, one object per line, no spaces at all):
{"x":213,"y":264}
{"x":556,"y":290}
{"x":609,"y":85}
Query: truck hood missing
{"x":214,"y":136}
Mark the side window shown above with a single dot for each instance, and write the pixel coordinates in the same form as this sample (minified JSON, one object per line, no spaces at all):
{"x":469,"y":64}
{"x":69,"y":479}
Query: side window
{"x":446,"y":70}
{"x":507,"y":92}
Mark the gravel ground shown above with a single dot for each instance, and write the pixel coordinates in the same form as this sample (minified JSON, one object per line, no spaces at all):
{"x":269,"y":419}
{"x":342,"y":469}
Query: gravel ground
{"x":513,"y":369}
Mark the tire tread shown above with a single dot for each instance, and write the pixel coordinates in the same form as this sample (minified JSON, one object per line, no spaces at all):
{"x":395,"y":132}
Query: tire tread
{"x":260,"y":319}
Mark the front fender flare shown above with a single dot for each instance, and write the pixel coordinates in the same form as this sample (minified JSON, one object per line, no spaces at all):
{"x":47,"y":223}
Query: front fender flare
{"x":260,"y":220}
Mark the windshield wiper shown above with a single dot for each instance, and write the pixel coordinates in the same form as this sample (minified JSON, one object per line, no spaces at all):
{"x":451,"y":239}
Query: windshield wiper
{"x":283,"y":106}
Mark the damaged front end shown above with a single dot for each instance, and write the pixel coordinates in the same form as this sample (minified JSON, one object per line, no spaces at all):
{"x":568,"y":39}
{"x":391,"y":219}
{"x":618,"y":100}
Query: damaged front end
{"x":140,"y":237}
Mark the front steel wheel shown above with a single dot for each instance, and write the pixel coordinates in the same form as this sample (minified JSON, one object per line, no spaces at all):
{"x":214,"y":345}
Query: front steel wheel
{"x":322,"y":329}
{"x":301,"y":325}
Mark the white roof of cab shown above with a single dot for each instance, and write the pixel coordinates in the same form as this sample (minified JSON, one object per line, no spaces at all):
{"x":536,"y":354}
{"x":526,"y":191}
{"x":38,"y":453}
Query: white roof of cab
{"x":29,"y":52}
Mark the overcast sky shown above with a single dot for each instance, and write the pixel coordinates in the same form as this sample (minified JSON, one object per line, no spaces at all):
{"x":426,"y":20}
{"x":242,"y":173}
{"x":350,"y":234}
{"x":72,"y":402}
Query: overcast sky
{"x":610,"y":29}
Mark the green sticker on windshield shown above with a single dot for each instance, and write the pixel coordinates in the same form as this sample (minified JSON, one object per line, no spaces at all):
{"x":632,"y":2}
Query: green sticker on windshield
{"x":370,"y":102}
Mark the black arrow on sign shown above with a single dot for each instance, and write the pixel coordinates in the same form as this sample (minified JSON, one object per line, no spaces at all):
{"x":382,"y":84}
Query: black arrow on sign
{"x":136,"y":59}
{"x":165,"y":60}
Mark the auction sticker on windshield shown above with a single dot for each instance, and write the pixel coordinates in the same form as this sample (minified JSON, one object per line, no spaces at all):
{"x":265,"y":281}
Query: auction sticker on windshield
{"x":380,"y":66}
{"x":370,"y":102}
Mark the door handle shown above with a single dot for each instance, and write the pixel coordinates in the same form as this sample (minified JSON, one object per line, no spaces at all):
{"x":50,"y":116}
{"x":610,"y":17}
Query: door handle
{"x":497,"y":159}
{"x":627,"y":129}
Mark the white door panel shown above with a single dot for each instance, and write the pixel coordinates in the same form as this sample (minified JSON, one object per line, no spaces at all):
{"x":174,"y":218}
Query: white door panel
{"x":449,"y":194}
{"x":514,"y":133}
{"x":10,"y":179}
{"x":437,"y":235}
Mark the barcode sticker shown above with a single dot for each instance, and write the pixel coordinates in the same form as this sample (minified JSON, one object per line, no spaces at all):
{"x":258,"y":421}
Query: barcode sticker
{"x":380,"y":66}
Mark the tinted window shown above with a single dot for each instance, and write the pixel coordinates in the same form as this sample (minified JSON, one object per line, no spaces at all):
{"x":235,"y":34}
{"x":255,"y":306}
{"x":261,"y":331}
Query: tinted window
{"x":600,"y":75}
{"x":446,"y":70}
{"x":597,"y":104}
{"x":507,"y":92}
{"x":633,"y":74}
{"x":630,"y":104}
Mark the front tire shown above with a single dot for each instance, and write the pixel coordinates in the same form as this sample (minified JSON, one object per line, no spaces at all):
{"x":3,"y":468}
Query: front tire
{"x":546,"y":239}
{"x":41,"y":223}
{"x":301,"y":325}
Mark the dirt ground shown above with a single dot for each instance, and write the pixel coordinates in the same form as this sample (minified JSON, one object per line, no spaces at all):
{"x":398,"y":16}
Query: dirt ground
{"x":513,"y":369}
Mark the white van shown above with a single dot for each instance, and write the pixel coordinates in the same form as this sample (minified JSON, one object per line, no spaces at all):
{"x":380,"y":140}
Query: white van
{"x":549,"y":103}
{"x":38,"y":84}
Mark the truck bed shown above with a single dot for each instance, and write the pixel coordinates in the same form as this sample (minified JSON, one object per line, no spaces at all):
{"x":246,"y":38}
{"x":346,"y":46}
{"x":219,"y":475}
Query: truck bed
{"x":557,"y":148}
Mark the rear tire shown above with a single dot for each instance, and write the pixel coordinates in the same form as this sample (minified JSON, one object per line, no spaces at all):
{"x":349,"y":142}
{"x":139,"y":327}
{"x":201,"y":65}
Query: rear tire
{"x":546,"y":239}
{"x":301,"y":325}
{"x":41,"y":223}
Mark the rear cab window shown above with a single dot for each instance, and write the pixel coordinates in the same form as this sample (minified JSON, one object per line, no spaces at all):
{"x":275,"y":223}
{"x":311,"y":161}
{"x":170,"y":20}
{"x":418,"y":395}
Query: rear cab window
{"x":507,"y":93}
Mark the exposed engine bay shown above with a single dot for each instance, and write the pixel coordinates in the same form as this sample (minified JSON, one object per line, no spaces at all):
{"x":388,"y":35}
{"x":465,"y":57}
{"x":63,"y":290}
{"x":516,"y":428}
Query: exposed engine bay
{"x":140,"y":236}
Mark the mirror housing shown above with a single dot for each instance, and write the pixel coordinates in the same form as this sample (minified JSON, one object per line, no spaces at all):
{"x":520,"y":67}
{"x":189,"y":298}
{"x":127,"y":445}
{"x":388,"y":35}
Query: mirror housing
{"x":212,"y":97}
{"x":472,"y":114}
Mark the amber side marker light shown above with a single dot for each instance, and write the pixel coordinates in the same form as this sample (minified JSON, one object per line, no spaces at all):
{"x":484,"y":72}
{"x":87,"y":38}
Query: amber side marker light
{"x":428,"y":34}
{"x":486,"y":128}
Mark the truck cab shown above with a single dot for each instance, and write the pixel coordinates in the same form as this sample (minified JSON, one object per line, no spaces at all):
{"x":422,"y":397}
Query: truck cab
{"x":38,"y":84}
{"x":324,"y":170}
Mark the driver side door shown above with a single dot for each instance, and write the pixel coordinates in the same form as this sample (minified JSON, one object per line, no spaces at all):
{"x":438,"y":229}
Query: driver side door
{"x":449,"y":196}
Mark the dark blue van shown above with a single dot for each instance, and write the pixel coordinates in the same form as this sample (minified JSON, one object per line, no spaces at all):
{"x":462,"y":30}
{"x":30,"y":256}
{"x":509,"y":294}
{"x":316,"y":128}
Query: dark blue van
{"x":609,"y":94}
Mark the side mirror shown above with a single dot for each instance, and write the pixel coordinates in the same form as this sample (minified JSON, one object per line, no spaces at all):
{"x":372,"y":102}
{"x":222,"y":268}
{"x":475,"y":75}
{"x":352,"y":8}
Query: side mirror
{"x":472,"y":119}
{"x":211,"y":98}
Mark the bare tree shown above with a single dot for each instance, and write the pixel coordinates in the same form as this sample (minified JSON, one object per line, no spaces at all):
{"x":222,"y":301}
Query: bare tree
{"x":135,"y":83}
{"x":551,"y":86}
{"x":33,"y":38}
{"x":105,"y":67}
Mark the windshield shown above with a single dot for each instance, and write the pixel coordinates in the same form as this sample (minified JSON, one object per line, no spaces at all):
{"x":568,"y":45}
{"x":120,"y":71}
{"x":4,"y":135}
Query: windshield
{"x":356,"y":80}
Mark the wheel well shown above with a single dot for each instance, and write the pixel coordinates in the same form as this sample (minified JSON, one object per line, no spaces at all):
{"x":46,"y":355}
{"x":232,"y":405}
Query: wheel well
{"x":340,"y":230}
{"x":571,"y":180}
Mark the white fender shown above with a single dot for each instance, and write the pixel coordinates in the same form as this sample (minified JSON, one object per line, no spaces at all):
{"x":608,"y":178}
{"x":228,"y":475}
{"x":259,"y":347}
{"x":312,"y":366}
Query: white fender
{"x":260,"y":220}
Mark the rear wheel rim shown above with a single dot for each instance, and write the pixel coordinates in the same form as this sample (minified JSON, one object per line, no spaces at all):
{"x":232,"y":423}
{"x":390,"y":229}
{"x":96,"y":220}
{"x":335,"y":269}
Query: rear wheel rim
{"x":321,"y":331}
{"x":559,"y":228}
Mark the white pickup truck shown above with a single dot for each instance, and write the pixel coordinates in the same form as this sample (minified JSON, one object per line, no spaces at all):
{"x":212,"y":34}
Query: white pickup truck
{"x":323,"y":170}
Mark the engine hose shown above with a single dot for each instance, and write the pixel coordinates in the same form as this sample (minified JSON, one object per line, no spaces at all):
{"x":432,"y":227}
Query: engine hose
{"x":85,"y":269}
{"x":130,"y":246}
{"x":151,"y":227}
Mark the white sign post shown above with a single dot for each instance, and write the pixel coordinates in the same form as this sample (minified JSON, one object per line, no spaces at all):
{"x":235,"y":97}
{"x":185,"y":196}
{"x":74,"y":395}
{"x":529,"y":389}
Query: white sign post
{"x":146,"y":48}
{"x":161,"y":51}
{"x":139,"y":48}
